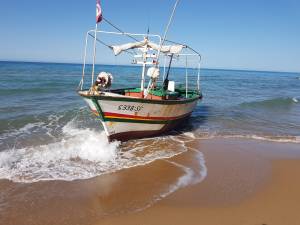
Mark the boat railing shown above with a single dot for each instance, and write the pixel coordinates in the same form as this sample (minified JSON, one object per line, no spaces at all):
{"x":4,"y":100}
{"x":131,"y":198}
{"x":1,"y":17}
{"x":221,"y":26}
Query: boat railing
{"x":189,"y":53}
{"x":191,"y":73}
{"x":93,"y":33}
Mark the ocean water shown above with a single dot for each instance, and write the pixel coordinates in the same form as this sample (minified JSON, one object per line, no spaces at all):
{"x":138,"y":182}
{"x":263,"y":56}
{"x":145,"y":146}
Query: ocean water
{"x":48,"y":133}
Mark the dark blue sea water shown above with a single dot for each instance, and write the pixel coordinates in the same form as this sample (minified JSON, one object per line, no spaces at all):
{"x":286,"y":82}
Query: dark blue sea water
{"x":43,"y":120}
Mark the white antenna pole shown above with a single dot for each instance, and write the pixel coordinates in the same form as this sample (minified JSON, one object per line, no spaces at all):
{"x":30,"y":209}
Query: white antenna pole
{"x":94,"y":56}
{"x":164,"y":38}
{"x":168,"y":25}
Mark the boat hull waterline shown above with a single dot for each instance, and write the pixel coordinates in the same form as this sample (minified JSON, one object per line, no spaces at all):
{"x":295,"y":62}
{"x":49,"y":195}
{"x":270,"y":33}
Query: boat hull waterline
{"x":126,"y":118}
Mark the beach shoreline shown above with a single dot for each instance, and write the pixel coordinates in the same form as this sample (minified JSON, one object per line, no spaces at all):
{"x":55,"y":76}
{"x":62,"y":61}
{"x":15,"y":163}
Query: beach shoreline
{"x":241,"y":182}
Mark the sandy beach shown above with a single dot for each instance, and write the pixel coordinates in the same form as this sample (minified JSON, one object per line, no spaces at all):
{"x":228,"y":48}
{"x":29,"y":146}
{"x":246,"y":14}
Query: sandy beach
{"x":277,"y":202}
{"x":150,"y":112}
{"x":243,"y":182}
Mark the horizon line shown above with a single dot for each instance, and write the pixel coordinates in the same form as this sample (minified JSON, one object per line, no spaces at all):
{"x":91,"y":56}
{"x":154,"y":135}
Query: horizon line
{"x":108,"y":64}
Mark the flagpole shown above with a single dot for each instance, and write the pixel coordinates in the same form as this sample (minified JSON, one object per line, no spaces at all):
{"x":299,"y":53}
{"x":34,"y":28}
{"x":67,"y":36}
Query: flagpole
{"x":94,"y":55}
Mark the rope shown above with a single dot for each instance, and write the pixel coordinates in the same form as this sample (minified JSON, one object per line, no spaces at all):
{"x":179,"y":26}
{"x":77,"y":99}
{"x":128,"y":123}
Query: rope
{"x":117,"y":28}
{"x":110,"y":47}
{"x":101,"y":41}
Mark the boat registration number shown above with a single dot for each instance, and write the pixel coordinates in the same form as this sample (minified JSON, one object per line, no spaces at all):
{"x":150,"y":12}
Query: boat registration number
{"x":130,"y":108}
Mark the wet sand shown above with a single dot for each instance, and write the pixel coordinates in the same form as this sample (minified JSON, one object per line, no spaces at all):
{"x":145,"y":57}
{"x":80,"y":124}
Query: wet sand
{"x":253,"y":183}
{"x":247,"y":182}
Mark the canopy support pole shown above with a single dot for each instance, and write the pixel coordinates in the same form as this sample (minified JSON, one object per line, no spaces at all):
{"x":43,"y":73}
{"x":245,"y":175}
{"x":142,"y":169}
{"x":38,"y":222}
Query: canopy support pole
{"x":166,"y":80}
{"x":186,"y":77}
{"x":165,"y":63}
{"x":143,"y":72}
{"x":84,"y":62}
{"x":198,"y":75}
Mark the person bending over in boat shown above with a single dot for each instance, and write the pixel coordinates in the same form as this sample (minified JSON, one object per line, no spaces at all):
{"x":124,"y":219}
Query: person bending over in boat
{"x":103,"y":81}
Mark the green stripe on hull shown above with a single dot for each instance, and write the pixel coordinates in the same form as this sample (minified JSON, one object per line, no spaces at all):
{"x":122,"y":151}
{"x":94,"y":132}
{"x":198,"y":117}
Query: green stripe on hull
{"x":101,"y":115}
{"x":138,"y":121}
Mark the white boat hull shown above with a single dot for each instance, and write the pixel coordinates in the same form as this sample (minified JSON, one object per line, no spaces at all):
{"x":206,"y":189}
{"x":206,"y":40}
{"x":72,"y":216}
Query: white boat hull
{"x":125,"y":118}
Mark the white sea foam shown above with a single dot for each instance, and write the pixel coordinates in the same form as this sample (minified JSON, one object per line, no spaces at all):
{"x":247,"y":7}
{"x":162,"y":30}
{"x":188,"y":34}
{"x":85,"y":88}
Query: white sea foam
{"x":295,"y":100}
{"x":82,"y":153}
{"x":206,"y":135}
{"x":183,"y":181}
{"x":191,"y":176}
{"x":189,"y":134}
{"x":280,"y":139}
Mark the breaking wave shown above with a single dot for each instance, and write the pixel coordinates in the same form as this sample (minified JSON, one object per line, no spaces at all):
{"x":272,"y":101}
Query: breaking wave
{"x":271,"y":103}
{"x":80,"y":153}
{"x":270,"y":138}
{"x":280,"y":139}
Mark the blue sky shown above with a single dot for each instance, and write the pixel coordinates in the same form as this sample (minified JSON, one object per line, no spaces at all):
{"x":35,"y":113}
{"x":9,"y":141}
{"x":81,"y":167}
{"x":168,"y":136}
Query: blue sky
{"x":256,"y":34}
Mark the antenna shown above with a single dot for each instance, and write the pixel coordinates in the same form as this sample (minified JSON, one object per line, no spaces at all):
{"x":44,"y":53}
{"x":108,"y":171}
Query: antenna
{"x":168,"y":25}
{"x":148,"y":31}
{"x":166,"y":81}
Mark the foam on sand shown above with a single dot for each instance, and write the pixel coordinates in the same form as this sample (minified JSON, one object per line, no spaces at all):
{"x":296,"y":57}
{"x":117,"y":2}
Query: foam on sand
{"x":83,"y":153}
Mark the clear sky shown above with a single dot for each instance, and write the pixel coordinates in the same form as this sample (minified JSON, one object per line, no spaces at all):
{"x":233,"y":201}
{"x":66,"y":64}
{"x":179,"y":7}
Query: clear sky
{"x":231,"y":34}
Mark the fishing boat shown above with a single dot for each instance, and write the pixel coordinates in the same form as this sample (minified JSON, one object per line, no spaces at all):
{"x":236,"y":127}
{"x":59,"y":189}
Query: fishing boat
{"x":158,"y":104}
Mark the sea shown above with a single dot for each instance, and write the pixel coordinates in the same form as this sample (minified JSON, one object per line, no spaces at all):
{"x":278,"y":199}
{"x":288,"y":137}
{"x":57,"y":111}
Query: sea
{"x":48,"y":133}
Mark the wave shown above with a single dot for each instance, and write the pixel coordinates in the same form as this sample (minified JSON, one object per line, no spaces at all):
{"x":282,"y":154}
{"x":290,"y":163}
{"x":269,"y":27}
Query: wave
{"x":80,"y":153}
{"x":43,"y":89}
{"x":280,"y":139}
{"x":49,"y":124}
{"x":271,"y":103}
{"x":205,"y":135}
{"x":76,"y":156}
{"x":83,"y":153}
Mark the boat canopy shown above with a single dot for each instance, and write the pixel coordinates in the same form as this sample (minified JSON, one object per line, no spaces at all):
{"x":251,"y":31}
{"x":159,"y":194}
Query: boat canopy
{"x":167,"y":49}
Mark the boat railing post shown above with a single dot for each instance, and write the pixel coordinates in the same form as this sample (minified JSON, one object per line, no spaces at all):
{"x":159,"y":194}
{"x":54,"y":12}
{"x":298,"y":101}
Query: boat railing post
{"x":94,"y":55}
{"x":143,"y":72}
{"x":165,"y":62}
{"x":198,"y":78}
{"x":186,"y":77}
{"x":84,"y":62}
